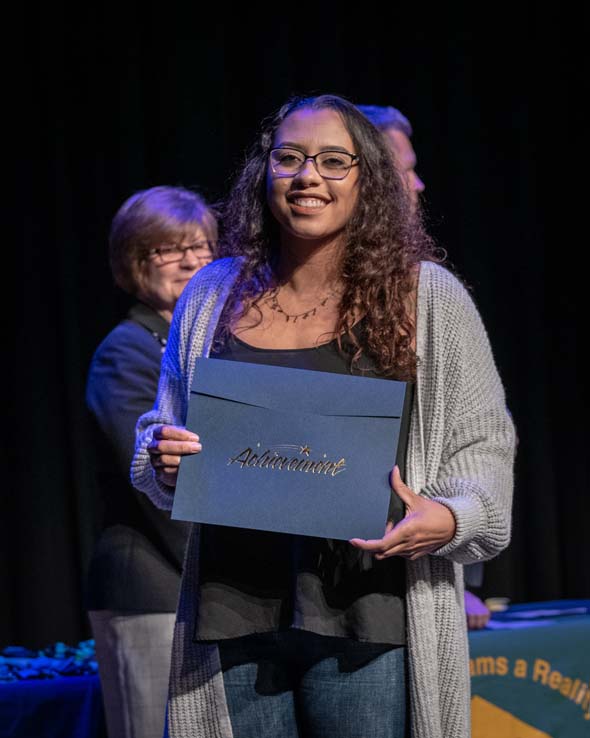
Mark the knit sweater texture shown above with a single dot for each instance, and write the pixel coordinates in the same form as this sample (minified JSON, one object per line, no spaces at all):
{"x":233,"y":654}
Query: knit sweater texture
{"x":460,"y":453}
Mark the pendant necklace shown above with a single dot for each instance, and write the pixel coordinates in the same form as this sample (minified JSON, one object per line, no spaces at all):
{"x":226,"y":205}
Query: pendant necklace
{"x":273,"y":304}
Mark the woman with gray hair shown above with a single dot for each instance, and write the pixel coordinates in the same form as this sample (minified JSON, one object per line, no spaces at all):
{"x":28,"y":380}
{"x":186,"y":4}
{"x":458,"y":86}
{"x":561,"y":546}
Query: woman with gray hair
{"x":159,"y":239}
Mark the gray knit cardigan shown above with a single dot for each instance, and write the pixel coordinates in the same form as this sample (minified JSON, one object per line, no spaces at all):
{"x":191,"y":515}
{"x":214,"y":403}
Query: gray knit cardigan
{"x":460,"y":453}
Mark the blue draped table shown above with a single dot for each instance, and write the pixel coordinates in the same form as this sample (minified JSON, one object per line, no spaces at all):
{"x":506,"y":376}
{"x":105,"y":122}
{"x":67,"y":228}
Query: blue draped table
{"x":63,"y":707}
{"x":51,"y":693}
{"x":530,"y":672}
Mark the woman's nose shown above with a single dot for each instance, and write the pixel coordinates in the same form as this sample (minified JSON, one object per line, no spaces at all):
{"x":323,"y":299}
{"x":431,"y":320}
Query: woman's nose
{"x":190,"y":260}
{"x":308,"y":171}
{"x":417,"y":184}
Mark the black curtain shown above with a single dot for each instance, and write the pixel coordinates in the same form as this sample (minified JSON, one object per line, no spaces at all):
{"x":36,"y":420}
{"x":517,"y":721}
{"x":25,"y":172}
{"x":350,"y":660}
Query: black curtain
{"x":110,"y":100}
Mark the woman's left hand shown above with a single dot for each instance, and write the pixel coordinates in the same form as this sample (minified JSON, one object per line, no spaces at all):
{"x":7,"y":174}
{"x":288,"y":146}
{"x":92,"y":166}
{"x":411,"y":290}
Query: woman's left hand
{"x":426,"y":527}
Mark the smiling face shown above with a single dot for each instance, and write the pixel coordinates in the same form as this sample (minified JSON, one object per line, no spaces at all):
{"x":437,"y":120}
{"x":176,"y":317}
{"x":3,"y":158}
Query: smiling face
{"x":160,"y":284}
{"x":308,"y":208}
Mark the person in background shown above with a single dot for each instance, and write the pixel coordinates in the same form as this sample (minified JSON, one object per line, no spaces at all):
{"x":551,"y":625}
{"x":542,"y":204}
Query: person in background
{"x":159,"y":239}
{"x":328,"y":268}
{"x":397,"y":130}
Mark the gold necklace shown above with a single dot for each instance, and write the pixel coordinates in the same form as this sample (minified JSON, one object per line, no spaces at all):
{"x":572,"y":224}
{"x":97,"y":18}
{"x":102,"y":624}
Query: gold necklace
{"x":273,"y":304}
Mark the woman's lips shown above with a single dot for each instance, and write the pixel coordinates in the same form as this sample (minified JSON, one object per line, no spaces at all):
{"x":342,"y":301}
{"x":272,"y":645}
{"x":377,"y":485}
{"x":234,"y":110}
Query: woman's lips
{"x":307,"y":204}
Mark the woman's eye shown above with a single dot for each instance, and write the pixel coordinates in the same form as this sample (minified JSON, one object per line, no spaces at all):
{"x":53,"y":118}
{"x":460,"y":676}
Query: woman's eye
{"x":287,"y":159}
{"x":334,"y":162}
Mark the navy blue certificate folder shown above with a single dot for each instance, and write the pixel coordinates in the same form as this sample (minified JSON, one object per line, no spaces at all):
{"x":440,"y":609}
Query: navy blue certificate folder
{"x":291,"y":450}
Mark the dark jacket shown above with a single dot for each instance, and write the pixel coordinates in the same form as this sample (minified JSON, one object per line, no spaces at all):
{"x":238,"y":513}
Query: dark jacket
{"x":136,"y":564}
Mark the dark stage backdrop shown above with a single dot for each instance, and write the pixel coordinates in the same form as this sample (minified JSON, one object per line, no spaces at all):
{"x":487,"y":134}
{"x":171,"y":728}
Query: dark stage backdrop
{"x":107,"y":104}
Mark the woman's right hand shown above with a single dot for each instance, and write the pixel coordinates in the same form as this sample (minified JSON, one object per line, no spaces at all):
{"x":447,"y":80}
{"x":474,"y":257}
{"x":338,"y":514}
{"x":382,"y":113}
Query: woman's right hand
{"x":169,"y":444}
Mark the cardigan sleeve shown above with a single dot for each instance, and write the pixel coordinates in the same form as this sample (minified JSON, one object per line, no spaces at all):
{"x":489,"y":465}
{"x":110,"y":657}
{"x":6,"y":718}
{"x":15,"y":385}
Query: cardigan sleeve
{"x":475,"y":474}
{"x":171,"y":403}
{"x":195,"y":316}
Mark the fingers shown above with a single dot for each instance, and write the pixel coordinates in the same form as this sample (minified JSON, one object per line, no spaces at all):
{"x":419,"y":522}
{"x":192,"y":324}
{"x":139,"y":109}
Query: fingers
{"x":174,"y":441}
{"x":381,"y":551}
{"x":174,"y":433}
{"x":476,"y":611}
{"x":402,"y":490}
{"x":169,"y":444}
{"x":396,"y":542}
{"x":428,"y":525}
{"x":165,"y":462}
{"x":477,"y":622}
{"x":406,"y":553}
{"x":393,"y":538}
{"x":165,"y":468}
{"x":395,"y":477}
{"x":406,"y":550}
{"x":175,"y":448}
{"x":167,"y":478}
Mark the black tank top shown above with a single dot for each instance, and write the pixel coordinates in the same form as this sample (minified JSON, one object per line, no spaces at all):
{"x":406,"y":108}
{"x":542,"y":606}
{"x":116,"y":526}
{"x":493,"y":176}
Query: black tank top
{"x":258,"y":582}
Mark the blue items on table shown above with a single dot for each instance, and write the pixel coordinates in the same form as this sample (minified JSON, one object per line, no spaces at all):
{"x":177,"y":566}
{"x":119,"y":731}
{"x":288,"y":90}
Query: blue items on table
{"x":54,"y":692}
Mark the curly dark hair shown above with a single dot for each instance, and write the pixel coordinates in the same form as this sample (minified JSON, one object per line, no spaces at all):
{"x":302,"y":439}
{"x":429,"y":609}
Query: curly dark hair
{"x":384,"y":242}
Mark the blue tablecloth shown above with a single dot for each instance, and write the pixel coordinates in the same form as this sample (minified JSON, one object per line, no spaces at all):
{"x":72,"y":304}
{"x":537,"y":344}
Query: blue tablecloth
{"x":530,"y":672}
{"x":51,"y":693}
{"x":63,"y":707}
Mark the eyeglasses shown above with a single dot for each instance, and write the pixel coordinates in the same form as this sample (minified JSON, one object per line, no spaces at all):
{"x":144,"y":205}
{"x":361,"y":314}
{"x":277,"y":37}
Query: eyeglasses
{"x":169,"y":253}
{"x":329,"y":164}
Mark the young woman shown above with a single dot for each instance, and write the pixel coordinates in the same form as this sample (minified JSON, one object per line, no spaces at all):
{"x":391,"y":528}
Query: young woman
{"x":329,"y":269}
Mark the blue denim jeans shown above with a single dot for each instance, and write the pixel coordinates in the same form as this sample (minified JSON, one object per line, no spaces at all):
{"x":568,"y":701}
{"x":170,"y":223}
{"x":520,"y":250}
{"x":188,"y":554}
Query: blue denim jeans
{"x":296,"y":684}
